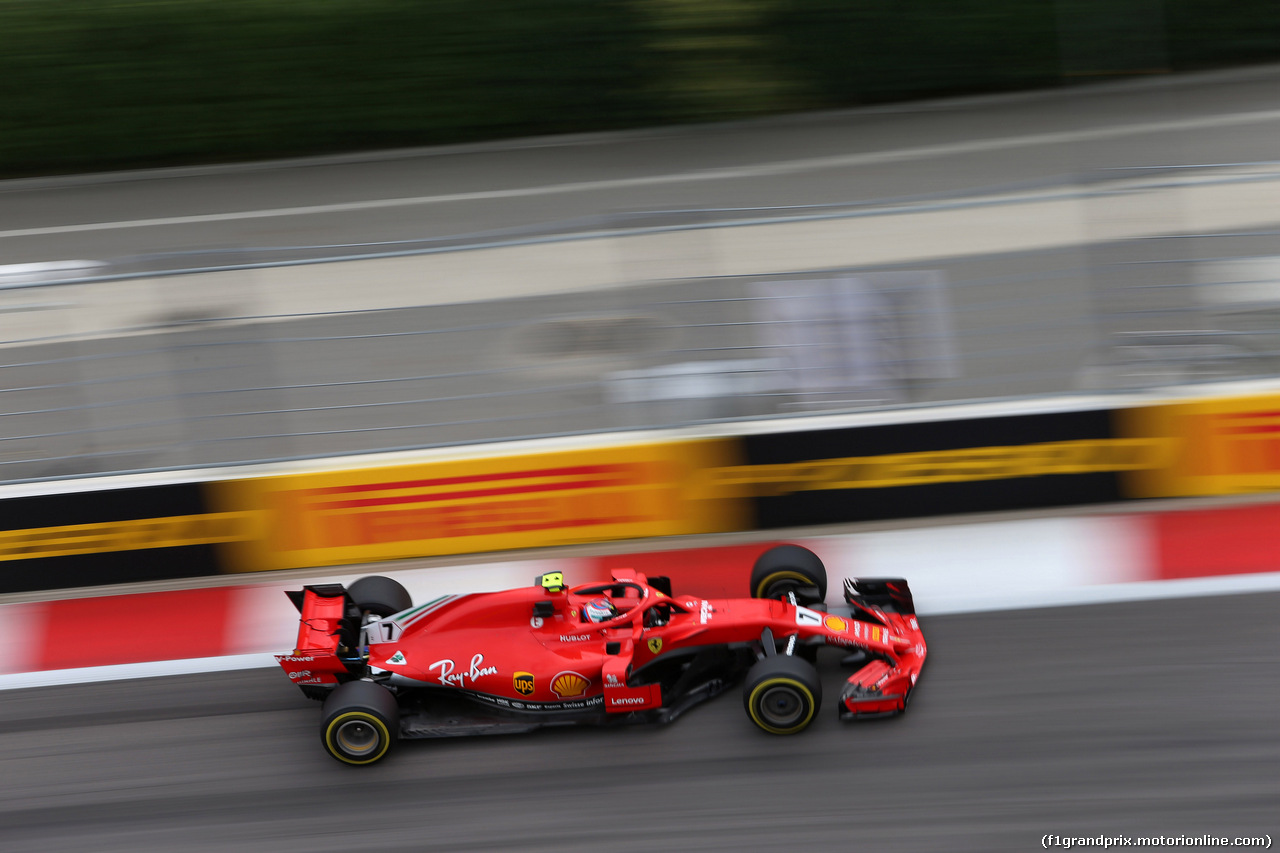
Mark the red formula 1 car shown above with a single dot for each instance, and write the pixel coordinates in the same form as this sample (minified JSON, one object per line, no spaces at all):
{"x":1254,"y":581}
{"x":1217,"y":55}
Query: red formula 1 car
{"x":623,"y":651}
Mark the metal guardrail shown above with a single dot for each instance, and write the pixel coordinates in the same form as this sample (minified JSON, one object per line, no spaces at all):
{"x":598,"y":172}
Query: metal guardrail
{"x":228,"y":388}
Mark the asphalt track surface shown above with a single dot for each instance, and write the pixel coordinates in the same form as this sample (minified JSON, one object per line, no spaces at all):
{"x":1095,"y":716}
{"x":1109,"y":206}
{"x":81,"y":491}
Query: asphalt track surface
{"x":1139,"y":719}
{"x":895,"y":152}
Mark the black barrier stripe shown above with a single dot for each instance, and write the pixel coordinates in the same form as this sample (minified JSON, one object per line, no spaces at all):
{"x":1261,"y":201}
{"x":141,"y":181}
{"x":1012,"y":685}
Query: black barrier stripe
{"x":931,"y":499}
{"x":799,"y":445}
{"x":108,"y":568}
{"x":102,"y":506}
{"x":935,"y":499}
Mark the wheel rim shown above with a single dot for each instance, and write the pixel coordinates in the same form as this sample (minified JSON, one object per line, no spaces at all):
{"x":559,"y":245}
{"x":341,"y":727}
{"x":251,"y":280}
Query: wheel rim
{"x":781,"y":706}
{"x":778,"y":584}
{"x":779,"y":590}
{"x":357,"y":738}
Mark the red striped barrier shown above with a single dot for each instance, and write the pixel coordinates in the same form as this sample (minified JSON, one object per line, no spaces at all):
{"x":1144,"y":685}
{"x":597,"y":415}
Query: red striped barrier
{"x":962,"y":567}
{"x":1231,"y":541}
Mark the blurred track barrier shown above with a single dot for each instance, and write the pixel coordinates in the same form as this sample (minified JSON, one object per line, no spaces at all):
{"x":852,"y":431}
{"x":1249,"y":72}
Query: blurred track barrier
{"x":486,"y":503}
{"x":760,"y":476}
{"x":803,"y":475}
{"x":114,"y":531}
{"x":1220,"y":446}
{"x":987,"y":566}
{"x":1117,"y":281}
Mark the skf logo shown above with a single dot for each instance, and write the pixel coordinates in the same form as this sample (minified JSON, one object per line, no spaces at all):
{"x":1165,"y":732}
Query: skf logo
{"x":655,"y":644}
{"x":524,"y":683}
{"x":568,"y":685}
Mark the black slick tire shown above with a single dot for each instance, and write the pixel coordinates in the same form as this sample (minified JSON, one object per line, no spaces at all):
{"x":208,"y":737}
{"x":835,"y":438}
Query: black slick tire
{"x":360,"y":722}
{"x":380,"y":595}
{"x":782,"y":694}
{"x":784,"y":568}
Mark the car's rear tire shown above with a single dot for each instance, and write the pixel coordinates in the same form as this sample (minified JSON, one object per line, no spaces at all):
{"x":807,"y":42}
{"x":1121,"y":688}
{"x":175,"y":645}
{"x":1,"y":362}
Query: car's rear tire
{"x":785,"y":568}
{"x":782,"y":694}
{"x":360,"y":722}
{"x":380,"y":595}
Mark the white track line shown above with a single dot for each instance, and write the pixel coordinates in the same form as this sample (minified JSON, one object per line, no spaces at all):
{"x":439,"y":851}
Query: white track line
{"x":781,"y":167}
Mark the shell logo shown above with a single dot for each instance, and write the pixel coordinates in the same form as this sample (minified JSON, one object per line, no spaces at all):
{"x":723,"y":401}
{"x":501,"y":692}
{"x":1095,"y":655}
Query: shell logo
{"x":569,"y":685}
{"x":836,"y":624}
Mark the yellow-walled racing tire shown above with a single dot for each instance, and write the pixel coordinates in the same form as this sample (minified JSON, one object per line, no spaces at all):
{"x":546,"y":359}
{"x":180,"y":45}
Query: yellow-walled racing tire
{"x":785,"y":568}
{"x":782,"y":694}
{"x":360,"y":722}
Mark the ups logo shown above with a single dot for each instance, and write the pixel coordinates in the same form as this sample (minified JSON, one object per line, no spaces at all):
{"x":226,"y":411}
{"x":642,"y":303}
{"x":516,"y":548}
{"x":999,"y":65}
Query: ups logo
{"x":524,"y":683}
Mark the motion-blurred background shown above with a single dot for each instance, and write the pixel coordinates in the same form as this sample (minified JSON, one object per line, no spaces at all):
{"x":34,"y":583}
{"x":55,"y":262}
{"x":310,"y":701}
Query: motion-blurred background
{"x":95,"y":85}
{"x":1087,"y":239}
{"x":727,"y":271}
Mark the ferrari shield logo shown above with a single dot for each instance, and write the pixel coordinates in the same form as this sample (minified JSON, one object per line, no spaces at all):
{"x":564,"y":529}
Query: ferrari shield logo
{"x":655,"y":644}
{"x":524,"y":683}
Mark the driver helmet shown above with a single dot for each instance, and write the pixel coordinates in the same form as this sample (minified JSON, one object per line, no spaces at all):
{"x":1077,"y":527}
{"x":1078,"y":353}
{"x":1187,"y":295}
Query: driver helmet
{"x":599,"y":610}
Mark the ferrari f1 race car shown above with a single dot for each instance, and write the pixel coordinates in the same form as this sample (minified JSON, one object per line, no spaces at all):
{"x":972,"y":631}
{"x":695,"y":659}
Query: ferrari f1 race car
{"x":624,"y":651}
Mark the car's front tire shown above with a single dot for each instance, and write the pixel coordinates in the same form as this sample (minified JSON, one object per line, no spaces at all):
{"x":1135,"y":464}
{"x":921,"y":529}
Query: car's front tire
{"x":360,"y":722}
{"x":786,"y":568}
{"x":782,"y":694}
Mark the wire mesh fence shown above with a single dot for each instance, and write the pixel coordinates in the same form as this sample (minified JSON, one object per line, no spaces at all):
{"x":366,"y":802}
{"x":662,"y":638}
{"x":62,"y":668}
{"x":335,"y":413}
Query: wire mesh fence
{"x":208,"y":380}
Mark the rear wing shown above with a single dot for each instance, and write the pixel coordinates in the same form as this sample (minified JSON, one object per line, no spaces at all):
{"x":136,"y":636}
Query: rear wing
{"x":325,"y":611}
{"x":328,"y":633}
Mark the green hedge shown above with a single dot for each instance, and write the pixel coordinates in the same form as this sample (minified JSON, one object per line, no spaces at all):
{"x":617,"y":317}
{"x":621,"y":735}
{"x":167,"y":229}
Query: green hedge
{"x":92,"y":83}
{"x":1206,"y":33}
{"x":868,"y":52}
{"x":95,"y":84}
{"x":849,"y":52}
